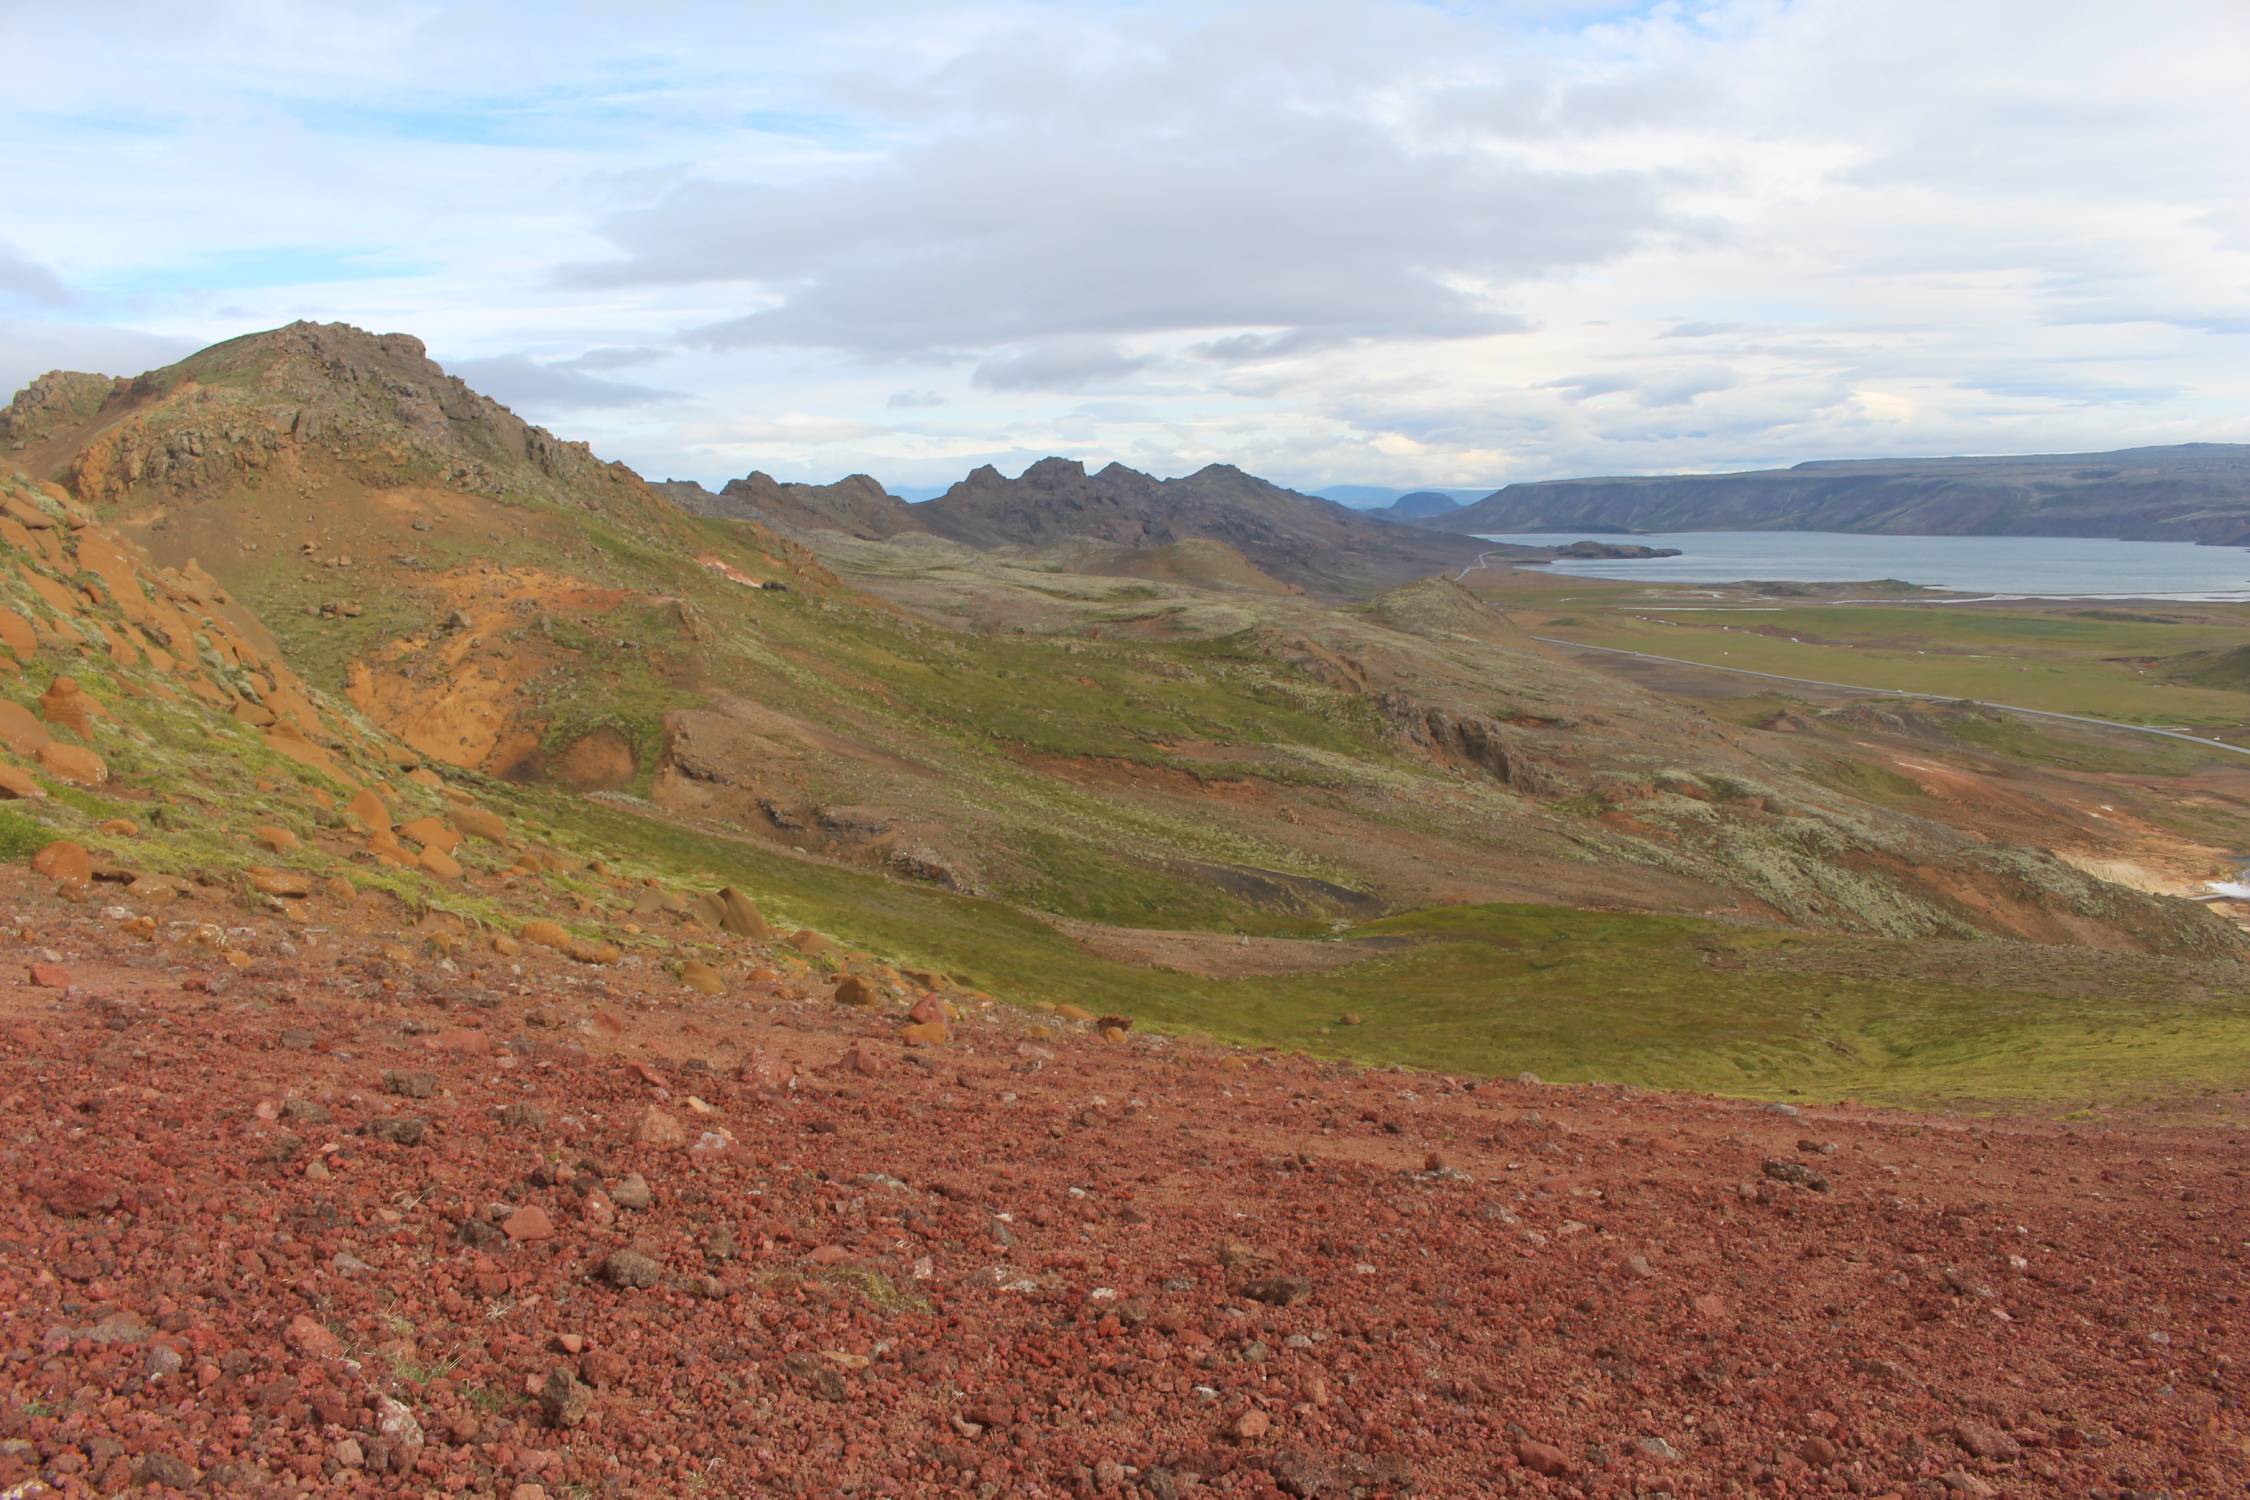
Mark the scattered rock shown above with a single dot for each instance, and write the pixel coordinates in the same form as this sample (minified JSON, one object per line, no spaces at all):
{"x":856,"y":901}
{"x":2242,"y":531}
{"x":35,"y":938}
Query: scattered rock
{"x":1279,"y":1291}
{"x":65,"y":862}
{"x":1543,"y":1458}
{"x":564,"y":1400}
{"x":529,"y":1222}
{"x":659,"y":1128}
{"x":416,"y":1084}
{"x":629,"y":1269}
{"x":1795,"y":1173}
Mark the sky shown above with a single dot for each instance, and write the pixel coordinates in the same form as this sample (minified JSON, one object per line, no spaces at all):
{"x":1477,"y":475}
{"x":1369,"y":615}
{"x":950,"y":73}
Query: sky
{"x":1333,"y":241}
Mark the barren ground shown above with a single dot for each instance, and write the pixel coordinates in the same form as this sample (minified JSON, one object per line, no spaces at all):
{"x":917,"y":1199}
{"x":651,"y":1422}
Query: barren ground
{"x":1028,"y":1261}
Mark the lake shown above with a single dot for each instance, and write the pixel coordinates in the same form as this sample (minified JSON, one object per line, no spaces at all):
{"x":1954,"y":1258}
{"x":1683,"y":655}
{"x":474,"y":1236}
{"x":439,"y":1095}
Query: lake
{"x":2010,"y":566}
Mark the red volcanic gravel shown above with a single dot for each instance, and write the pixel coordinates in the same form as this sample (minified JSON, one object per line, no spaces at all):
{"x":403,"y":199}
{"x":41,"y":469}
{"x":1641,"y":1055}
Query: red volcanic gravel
{"x":630,"y":1240}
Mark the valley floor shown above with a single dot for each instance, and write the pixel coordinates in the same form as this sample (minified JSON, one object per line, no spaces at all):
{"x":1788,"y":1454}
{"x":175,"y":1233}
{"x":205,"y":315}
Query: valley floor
{"x":337,"y":1216}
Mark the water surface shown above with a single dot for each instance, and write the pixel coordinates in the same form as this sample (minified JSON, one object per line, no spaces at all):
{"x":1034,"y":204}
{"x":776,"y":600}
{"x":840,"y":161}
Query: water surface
{"x":2036,"y":567}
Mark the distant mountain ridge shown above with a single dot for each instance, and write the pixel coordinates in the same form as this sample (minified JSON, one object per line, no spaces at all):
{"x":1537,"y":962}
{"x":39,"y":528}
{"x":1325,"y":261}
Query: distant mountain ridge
{"x":1421,"y":505}
{"x":856,"y":505}
{"x":2193,"y":492}
{"x":1300,"y":539}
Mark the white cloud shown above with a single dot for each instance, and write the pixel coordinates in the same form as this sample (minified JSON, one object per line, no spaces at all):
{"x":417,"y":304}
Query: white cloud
{"x":1361,"y":240}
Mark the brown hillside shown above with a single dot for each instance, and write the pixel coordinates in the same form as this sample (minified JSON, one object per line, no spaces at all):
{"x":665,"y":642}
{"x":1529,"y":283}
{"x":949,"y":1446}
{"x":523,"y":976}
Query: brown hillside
{"x":462,"y":574}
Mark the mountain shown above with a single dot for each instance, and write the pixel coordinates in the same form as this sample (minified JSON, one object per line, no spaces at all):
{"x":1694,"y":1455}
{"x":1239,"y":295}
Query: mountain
{"x":1315,"y":544}
{"x":2195,"y":492}
{"x":1123,"y":714}
{"x":496,"y":597}
{"x":1383,"y":496}
{"x":855,"y":505}
{"x":1421,"y":505}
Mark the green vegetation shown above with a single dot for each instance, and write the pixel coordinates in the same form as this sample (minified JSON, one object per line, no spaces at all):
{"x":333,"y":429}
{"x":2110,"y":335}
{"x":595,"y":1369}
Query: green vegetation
{"x":1566,"y":994}
{"x":1867,"y":781}
{"x":2107,"y":664}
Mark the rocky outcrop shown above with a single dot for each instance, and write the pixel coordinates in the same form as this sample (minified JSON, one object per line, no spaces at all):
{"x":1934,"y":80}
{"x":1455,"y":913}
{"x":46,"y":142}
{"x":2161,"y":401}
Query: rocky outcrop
{"x":56,"y":400}
{"x":1479,"y":741}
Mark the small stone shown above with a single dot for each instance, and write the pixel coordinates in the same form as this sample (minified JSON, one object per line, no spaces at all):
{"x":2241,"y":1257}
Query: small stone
{"x":631,"y":1191}
{"x":628,"y":1269}
{"x":1987,"y":1442}
{"x":395,"y":1421}
{"x":1250,"y":1426}
{"x":1279,"y":1291}
{"x":312,"y":1339}
{"x":564,"y":1400}
{"x":657,"y":1127}
{"x":164,"y":1469}
{"x":410,"y":1085}
{"x":1795,"y":1173}
{"x":399,"y":1130}
{"x":50,"y":977}
{"x":529,"y":1222}
{"x":1543,"y":1458}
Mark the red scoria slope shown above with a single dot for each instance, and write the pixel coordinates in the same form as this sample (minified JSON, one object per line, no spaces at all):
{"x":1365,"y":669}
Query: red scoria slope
{"x":344,"y":1221}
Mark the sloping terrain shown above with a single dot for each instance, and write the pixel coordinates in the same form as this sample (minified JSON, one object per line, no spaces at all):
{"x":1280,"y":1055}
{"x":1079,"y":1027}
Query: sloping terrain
{"x":1318,"y":545}
{"x":490,"y":594}
{"x":349,"y":1219}
{"x":1196,"y":747}
{"x":2194,"y":492}
{"x":380,"y":1127}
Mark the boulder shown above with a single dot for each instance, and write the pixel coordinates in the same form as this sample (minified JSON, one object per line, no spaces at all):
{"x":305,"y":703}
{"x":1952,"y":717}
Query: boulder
{"x":63,"y":860}
{"x":66,"y":705}
{"x":73,"y":763}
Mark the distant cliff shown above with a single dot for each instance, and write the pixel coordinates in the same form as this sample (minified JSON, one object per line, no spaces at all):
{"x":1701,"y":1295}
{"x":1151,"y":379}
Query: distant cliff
{"x":2195,"y":492}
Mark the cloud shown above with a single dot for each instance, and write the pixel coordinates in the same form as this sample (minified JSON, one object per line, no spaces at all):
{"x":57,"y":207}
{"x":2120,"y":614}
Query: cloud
{"x":1663,"y":386}
{"x":1229,"y":183}
{"x":29,"y":350}
{"x":1058,"y":365}
{"x":26,"y":280}
{"x":1377,"y":241}
{"x":530,"y":385}
{"x":614,"y":358}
